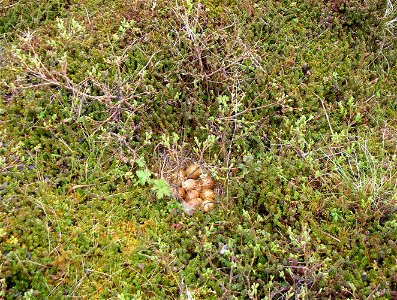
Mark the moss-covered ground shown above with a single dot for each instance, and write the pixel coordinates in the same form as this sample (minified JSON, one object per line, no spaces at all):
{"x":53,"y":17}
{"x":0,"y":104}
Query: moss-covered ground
{"x":290,"y":105}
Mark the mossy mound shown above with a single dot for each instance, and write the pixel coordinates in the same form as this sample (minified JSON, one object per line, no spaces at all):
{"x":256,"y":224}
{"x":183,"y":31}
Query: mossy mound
{"x":289,"y":105}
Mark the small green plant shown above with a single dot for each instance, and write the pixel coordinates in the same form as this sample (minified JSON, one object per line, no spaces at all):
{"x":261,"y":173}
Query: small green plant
{"x":289,"y":105}
{"x":159,"y":186}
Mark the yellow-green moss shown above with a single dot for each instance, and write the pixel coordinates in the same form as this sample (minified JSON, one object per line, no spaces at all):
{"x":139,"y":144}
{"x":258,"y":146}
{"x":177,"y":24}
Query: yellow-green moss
{"x":290,"y":104}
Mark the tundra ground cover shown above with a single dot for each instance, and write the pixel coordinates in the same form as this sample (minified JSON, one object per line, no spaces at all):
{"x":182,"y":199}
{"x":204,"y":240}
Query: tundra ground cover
{"x":290,"y":105}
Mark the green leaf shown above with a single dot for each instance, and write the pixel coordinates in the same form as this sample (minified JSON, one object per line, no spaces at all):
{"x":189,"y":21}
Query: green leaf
{"x":161,"y":187}
{"x":140,"y":162}
{"x":143,"y":176}
{"x":334,"y":214}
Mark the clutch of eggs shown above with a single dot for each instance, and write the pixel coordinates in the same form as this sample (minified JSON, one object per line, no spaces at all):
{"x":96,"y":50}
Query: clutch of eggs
{"x":195,"y":191}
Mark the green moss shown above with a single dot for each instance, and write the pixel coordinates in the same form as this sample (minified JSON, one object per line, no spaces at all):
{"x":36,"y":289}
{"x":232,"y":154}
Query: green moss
{"x":290,"y":104}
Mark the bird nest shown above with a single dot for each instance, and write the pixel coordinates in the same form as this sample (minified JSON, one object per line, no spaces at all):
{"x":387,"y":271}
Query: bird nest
{"x":191,"y":182}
